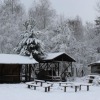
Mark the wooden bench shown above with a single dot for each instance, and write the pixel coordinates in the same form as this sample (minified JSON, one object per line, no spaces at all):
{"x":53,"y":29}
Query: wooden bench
{"x":77,"y":86}
{"x":47,"y":87}
{"x":65,"y":83}
{"x":32,"y":85}
{"x":66,"y":86}
{"x":29,"y":84}
{"x":80,"y":85}
{"x":40,"y":81}
{"x":51,"y":83}
{"x":87,"y":85}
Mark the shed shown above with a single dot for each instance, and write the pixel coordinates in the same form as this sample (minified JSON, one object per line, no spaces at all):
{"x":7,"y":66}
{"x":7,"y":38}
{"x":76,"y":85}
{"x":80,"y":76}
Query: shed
{"x":11,"y":65}
{"x":95,"y":67}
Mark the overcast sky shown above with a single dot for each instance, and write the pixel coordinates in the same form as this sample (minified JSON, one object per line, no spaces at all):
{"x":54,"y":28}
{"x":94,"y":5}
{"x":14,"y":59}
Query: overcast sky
{"x":86,"y":9}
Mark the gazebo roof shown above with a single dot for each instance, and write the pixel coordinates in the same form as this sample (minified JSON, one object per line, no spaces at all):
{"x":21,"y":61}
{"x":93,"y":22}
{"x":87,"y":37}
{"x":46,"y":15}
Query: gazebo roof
{"x":60,"y":56}
{"x":16,"y":59}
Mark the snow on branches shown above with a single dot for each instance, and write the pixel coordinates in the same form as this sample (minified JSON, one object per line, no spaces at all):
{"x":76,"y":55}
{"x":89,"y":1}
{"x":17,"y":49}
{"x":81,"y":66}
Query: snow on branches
{"x":30,"y":45}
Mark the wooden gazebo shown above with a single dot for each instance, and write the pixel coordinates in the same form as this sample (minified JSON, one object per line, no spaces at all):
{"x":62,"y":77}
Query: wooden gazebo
{"x":49,"y":68}
{"x":11,"y":68}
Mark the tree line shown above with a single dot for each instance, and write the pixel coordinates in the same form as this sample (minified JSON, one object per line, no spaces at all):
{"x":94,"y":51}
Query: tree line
{"x":57,"y":32}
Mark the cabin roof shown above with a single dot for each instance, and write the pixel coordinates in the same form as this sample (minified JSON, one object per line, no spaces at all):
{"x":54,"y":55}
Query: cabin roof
{"x":16,"y":59}
{"x":95,"y":63}
{"x":59,"y":56}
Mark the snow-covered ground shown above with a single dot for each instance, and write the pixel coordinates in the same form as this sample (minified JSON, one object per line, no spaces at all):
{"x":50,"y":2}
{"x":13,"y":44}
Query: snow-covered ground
{"x":21,"y":92}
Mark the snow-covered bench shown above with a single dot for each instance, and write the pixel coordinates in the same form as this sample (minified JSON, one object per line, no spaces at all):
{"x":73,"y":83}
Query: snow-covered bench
{"x":75,"y":85}
{"x":87,"y":85}
{"x":40,"y":81}
{"x":66,"y":86}
{"x":32,"y":85}
{"x":79,"y":85}
{"x":47,"y":87}
{"x":60,"y":83}
{"x":51,"y":83}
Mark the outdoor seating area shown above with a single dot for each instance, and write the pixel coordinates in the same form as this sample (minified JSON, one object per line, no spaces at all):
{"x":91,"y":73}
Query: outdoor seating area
{"x":62,"y":85}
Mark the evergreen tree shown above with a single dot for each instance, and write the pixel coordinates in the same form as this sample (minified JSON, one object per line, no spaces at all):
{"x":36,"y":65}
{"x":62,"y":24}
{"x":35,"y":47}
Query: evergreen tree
{"x":30,"y":45}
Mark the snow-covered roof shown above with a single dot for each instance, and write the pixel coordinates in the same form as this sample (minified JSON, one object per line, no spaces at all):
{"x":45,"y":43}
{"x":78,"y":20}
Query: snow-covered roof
{"x":16,"y":59}
{"x":51,"y":56}
{"x":94,"y":63}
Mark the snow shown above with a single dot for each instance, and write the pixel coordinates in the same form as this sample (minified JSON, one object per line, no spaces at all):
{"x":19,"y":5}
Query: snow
{"x":97,"y":62}
{"x":51,"y":56}
{"x":21,"y":92}
{"x":16,"y":59}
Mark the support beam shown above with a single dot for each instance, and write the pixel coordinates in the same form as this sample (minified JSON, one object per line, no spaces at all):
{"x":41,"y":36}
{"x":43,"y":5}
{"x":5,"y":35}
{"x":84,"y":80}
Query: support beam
{"x":58,"y":68}
{"x":26,"y":70}
{"x":71,"y":70}
{"x":30,"y":67}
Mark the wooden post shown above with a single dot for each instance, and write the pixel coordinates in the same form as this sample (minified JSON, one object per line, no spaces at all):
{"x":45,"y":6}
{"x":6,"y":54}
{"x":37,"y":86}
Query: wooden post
{"x":20,"y":77}
{"x":52,"y":73}
{"x":58,"y":68}
{"x":87,"y":87}
{"x":64,"y":88}
{"x":30,"y":72}
{"x":47,"y":67}
{"x":75,"y":88}
{"x":26,"y":73}
{"x":76,"y":72}
{"x":49,"y":88}
{"x":71,"y":69}
{"x":45,"y":89}
{"x":39,"y":66}
{"x":80,"y":87}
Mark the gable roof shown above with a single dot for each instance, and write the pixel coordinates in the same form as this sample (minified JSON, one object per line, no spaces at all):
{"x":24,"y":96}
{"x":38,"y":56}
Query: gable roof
{"x":16,"y":59}
{"x":59,"y":56}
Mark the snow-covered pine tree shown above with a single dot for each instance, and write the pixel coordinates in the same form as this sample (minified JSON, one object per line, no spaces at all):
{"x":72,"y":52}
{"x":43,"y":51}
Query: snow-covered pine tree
{"x":30,"y":45}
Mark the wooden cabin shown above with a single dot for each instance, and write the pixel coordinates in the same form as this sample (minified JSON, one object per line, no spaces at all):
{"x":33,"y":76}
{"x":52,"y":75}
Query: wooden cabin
{"x":95,"y":67}
{"x":11,"y":67}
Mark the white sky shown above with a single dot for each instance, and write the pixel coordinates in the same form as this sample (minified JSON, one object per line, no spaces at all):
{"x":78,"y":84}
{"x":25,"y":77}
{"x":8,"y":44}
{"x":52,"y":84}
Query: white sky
{"x":86,"y":9}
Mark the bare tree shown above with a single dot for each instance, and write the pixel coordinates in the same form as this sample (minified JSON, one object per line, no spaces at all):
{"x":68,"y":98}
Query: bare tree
{"x":11,"y":16}
{"x":42,"y":13}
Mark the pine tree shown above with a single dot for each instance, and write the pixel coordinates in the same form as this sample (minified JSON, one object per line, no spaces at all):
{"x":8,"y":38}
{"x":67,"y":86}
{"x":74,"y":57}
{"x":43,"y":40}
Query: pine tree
{"x":30,"y":45}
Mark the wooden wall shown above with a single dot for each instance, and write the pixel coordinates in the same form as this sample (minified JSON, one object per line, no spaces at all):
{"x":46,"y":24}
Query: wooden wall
{"x":95,"y":69}
{"x":9,"y":73}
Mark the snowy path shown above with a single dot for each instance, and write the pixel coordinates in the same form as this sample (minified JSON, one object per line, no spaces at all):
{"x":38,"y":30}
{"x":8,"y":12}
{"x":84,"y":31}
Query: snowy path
{"x":21,"y":92}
